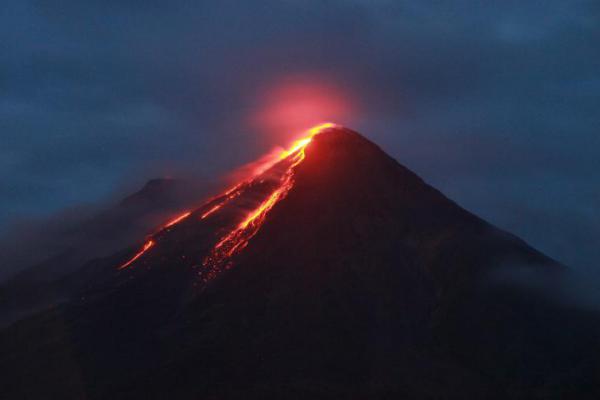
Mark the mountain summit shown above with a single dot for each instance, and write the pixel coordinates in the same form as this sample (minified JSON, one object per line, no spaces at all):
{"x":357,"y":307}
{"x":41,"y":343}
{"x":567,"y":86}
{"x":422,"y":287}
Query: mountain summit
{"x":333,"y":272}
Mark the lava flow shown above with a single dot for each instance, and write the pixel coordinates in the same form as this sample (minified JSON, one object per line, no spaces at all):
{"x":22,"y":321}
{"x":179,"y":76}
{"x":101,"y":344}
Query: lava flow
{"x":178,"y":219}
{"x":224,"y":199}
{"x":238,"y":238}
{"x":144,"y":249}
{"x":151,"y":242}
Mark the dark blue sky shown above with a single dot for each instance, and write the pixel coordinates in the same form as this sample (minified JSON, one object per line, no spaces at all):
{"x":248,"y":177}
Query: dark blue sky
{"x":495,"y":103}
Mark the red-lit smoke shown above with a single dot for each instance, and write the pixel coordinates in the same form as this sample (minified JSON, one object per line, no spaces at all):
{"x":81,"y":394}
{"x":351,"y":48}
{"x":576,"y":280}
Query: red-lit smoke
{"x":294,"y":104}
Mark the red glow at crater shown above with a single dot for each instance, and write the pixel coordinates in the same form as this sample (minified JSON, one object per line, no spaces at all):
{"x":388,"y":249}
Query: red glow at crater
{"x":296,"y":104}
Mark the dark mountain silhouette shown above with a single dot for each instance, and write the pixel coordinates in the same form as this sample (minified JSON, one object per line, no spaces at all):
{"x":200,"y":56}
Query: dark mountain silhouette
{"x":337,"y":273}
{"x":64,"y":250}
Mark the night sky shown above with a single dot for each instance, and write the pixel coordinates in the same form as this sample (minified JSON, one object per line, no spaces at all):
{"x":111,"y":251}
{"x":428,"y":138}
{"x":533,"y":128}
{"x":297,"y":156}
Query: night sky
{"x":494,"y":103}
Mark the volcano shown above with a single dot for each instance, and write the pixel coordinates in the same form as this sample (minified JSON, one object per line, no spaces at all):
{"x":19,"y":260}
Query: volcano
{"x":333,"y":272}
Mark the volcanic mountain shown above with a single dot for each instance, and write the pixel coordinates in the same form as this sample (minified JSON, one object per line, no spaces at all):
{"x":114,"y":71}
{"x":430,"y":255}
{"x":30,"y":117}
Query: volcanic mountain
{"x":333,"y":272}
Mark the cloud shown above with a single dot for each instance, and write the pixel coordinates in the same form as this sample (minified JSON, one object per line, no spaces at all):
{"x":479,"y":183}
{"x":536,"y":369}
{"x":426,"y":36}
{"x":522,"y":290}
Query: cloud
{"x":574,"y":289}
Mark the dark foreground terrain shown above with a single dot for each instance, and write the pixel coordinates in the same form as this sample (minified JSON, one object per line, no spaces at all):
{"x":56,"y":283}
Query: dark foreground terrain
{"x":362,"y":282}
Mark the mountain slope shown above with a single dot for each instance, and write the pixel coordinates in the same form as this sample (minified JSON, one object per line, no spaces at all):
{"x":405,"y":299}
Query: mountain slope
{"x":62,"y":251}
{"x":335,"y":273}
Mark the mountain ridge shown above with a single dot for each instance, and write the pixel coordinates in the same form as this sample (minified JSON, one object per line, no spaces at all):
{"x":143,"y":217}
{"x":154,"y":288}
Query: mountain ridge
{"x":360,"y":281}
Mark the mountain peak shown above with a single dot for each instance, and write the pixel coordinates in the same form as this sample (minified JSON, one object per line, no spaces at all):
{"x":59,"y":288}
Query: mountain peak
{"x":332,"y":183}
{"x":335,"y":273}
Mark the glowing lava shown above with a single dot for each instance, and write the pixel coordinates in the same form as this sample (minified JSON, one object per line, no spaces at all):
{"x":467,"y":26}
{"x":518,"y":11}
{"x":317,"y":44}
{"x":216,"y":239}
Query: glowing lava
{"x":178,"y":219}
{"x":238,"y":238}
{"x":146,"y":247}
{"x":225,"y":198}
{"x":151,"y":243}
{"x":302,"y":143}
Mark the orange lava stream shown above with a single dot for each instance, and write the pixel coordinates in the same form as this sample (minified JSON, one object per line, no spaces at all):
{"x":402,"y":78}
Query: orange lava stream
{"x":238,"y":238}
{"x":228,"y":196}
{"x":255,"y":218}
{"x":146,"y":247}
{"x":151,"y":243}
{"x":178,"y":219}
